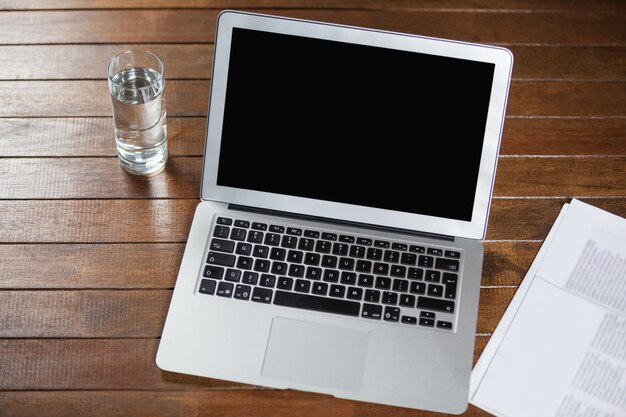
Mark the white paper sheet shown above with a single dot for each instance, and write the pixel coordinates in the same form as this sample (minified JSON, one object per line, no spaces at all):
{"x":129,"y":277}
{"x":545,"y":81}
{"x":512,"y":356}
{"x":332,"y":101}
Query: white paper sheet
{"x":560,"y":348}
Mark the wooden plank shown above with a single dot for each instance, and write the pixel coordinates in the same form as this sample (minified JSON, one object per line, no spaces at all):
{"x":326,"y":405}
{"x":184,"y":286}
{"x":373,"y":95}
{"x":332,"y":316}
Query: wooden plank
{"x":155,"y":266}
{"x":476,"y":5}
{"x":39,"y":62}
{"x":54,"y":178}
{"x":191,"y":61}
{"x":567,"y":136}
{"x":96,"y":220}
{"x":153,"y":221}
{"x":567,"y":99}
{"x":198,"y":26}
{"x":217,"y":402}
{"x":88,"y":136}
{"x":59,"y":178}
{"x":80,"y":266}
{"x":190,"y":98}
{"x":91,"y":98}
{"x":561,"y":176}
{"x":53,"y":364}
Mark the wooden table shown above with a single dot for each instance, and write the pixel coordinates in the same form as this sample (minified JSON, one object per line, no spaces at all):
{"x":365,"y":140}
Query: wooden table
{"x":89,"y":254}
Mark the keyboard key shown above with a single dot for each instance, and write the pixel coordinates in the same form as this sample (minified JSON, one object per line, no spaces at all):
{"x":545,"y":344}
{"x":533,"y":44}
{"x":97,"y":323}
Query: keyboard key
{"x":261,"y":265}
{"x":223,"y":259}
{"x":279,"y":268}
{"x":245,"y":262}
{"x":452,"y":254}
{"x":215,"y":272}
{"x":329,"y":236}
{"x":207,"y":286}
{"x":382,"y":244}
{"x":285,"y":283}
{"x":312,"y":233}
{"x":415,"y":273}
{"x":380,"y":268}
{"x":363,"y":266}
{"x":242,"y":223}
{"x":444,"y":325}
{"x":296,"y":271}
{"x":262,"y":295}
{"x":357,"y":251}
{"x":450,"y":281}
{"x":267,"y":280}
{"x":390,"y":298}
{"x":313,"y":273}
{"x":278,"y":254}
{"x":374,"y":254}
{"x":242,"y":292}
{"x":337,"y":291}
{"x":250,"y":278}
{"x":348,"y":278}
{"x":417,"y":249}
{"x":392,"y":256}
{"x":294,"y":231}
{"x":372,"y":311}
{"x":306,"y":244}
{"x":408,"y":320}
{"x":427,"y":314}
{"x":341,"y":249}
{"x":435,"y":304}
{"x":427,"y":322}
{"x":408,"y":258}
{"x":323,"y":246}
{"x":261,"y":251}
{"x":432,"y":276}
{"x":221,"y":231}
{"x":391,"y":314}
{"x":346,"y":264}
{"x":331,"y":275}
{"x":355,"y":293}
{"x":346,"y":239}
{"x":425,"y":261}
{"x":232,"y":275}
{"x":277,"y":229}
{"x":383,"y":283}
{"x":238,"y":234}
{"x":272,"y":239}
{"x":312,"y":258}
{"x":373,"y":296}
{"x":398,"y":271}
{"x":224,"y":220}
{"x":400,"y":246}
{"x":255,"y":236}
{"x":417,"y":287}
{"x":222,"y":245}
{"x":364,"y":241}
{"x":225,"y":289}
{"x":295,"y":256}
{"x":366,"y":280}
{"x":243,"y":248}
{"x":435,"y":290}
{"x":400,"y":285}
{"x":302,"y":285}
{"x":447,"y":264}
{"x":289,"y":242}
{"x":312,"y":302}
{"x":320,"y":288}
{"x":259,"y":226}
{"x":329,"y":261}
{"x":407,"y":300}
{"x":435,"y":251}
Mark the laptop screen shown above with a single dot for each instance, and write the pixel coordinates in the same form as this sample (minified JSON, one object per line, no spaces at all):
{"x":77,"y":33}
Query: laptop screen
{"x":356,"y":124}
{"x":360,"y":125}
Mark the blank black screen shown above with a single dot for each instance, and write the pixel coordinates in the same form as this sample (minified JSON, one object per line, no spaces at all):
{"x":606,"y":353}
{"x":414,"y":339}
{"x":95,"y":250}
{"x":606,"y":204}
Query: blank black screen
{"x":354,"y":124}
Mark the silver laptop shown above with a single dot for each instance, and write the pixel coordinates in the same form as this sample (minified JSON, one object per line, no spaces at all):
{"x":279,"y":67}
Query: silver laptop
{"x":346,"y":186}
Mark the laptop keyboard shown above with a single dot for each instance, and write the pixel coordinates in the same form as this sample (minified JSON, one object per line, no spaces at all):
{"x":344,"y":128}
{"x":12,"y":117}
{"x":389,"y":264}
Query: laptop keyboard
{"x":338,"y":273}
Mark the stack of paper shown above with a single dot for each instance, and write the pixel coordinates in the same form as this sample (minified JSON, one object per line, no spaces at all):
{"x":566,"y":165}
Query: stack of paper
{"x":560,"y":348}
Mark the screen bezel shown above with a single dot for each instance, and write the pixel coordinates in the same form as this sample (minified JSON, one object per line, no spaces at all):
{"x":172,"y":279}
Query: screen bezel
{"x":474,"y":229}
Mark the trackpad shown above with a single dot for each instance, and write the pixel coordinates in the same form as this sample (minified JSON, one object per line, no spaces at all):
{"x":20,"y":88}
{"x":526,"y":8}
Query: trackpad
{"x":316,"y":354}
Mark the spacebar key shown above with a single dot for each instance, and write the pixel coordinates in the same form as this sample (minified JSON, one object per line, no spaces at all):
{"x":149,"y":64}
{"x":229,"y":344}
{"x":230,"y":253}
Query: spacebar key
{"x":311,"y":302}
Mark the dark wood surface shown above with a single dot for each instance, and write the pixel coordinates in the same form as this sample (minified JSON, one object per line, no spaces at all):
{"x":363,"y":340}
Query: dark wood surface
{"x":89,"y":254}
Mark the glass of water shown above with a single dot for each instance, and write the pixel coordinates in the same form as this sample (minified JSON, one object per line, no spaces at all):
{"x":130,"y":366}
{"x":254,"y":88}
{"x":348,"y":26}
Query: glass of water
{"x":137,"y":86}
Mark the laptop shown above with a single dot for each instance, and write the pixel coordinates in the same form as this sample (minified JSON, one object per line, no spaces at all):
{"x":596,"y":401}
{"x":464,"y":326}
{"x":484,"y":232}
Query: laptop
{"x":338,"y":244}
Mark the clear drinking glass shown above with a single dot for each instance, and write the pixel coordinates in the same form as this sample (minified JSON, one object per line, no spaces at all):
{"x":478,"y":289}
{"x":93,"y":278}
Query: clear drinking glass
{"x":137,"y":86}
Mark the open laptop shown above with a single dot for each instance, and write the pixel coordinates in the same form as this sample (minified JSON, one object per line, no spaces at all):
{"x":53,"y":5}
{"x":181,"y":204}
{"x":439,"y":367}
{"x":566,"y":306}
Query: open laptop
{"x":345,"y":194}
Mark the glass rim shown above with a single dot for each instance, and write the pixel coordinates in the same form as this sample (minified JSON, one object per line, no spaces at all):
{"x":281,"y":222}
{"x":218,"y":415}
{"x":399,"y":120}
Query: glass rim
{"x":160,"y":70}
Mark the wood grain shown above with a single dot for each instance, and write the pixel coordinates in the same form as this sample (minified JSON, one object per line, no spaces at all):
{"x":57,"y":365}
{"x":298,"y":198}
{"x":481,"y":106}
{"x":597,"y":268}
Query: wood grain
{"x":89,"y":136}
{"x":198,"y":26}
{"x":155,"y":266}
{"x":474,"y":6}
{"x":168,"y":221}
{"x":193,"y":61}
{"x":216,"y":402}
{"x":190,"y":98}
{"x":55,"y":178}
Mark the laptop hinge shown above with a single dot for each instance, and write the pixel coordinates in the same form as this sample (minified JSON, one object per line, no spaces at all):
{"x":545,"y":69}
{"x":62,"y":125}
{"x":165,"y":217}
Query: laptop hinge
{"x":337,"y":221}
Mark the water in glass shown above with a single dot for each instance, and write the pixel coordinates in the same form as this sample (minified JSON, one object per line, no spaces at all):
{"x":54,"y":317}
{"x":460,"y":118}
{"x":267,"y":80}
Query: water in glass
{"x":139,"y":116}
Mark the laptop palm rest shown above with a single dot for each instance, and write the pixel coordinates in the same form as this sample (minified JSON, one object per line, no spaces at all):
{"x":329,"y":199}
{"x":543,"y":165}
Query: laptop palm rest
{"x":316,"y":354}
